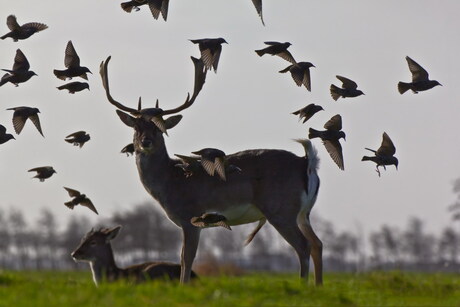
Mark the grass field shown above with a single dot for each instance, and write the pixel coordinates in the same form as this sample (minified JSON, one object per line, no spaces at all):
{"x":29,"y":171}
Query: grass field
{"x":370,"y":289}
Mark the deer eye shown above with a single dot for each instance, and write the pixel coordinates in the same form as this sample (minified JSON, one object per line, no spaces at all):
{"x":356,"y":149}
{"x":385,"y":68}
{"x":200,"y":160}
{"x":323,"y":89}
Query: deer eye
{"x":92,"y":243}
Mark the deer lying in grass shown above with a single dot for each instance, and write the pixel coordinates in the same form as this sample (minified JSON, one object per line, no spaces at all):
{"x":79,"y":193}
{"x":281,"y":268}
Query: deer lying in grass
{"x":96,"y":249}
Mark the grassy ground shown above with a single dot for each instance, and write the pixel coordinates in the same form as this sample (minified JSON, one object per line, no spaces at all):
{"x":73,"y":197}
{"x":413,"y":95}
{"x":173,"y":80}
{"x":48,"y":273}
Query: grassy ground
{"x":372,"y":289}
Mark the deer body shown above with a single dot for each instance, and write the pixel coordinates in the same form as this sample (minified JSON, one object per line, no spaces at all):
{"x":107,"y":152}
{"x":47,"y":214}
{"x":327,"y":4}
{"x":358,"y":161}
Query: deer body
{"x":273,"y":185}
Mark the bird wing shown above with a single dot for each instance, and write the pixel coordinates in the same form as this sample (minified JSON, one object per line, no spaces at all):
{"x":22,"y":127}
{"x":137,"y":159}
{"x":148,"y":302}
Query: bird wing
{"x":20,"y":61}
{"x":418,"y":72}
{"x":71,"y":58}
{"x":334,"y":149}
{"x":155,"y":7}
{"x":18,"y":123}
{"x":335,"y":123}
{"x":164,"y":9}
{"x":272,"y":43}
{"x":72,"y":192}
{"x":209,"y":166}
{"x":207,"y":57}
{"x":187,"y":159}
{"x":387,"y":148}
{"x":347,"y":83}
{"x":36,"y":121}
{"x":286,"y":55}
{"x":297,"y":74}
{"x":89,"y":204}
{"x":2,"y":130}
{"x":216,"y":56}
{"x":160,"y":123}
{"x":35,"y":25}
{"x":76,"y":134}
{"x":37,"y":169}
{"x":12,"y":23}
{"x":219,"y":164}
{"x":258,"y":6}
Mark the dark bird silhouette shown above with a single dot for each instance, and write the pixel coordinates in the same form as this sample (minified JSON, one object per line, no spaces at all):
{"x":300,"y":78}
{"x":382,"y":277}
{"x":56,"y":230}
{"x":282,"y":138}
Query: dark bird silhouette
{"x":79,"y":199}
{"x":22,"y":114}
{"x":4,"y":137}
{"x":189,"y":165}
{"x":279,"y":49}
{"x":128,"y":149}
{"x":349,"y":89}
{"x":20,"y":72}
{"x":258,"y":6}
{"x":74,"y":87}
{"x":156,"y":7}
{"x":210,"y":49}
{"x":210,"y":220}
{"x":384,"y":155}
{"x":300,"y":72}
{"x":43,"y":172}
{"x":72,"y":62}
{"x":420,"y":81}
{"x":18,"y":32}
{"x":78,"y":138}
{"x":133,"y":4}
{"x":213,"y":161}
{"x":307,"y":112}
{"x":330,"y":138}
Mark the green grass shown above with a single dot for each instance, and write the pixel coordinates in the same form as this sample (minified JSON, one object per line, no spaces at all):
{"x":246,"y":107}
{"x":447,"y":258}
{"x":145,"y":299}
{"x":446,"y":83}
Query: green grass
{"x":370,"y":289}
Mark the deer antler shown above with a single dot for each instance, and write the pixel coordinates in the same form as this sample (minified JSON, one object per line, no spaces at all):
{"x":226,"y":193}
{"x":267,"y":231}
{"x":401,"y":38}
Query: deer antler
{"x":105,"y":83}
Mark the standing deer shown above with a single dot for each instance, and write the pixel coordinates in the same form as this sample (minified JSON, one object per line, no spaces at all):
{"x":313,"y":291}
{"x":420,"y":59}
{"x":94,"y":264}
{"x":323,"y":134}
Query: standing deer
{"x":96,"y":249}
{"x":273,"y":185}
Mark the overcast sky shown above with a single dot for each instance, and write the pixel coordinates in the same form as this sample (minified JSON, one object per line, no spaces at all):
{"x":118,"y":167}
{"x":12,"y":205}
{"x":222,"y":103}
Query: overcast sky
{"x":247,"y":104}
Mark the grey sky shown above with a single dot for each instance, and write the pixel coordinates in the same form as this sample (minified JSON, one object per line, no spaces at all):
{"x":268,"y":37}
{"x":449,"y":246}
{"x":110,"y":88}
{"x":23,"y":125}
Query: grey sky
{"x":247,"y":104}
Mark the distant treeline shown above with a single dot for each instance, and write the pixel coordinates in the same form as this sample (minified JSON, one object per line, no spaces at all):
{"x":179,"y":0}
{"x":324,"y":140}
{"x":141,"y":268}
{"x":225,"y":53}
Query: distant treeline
{"x":147,"y":234}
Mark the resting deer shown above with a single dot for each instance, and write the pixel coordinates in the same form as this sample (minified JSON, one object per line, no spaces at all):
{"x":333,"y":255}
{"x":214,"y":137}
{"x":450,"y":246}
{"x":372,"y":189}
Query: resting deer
{"x":273,"y":185}
{"x":96,"y":249}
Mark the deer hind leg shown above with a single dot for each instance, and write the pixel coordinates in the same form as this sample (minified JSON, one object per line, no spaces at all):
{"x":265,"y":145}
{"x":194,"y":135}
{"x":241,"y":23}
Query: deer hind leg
{"x":191,"y":238}
{"x":316,"y":246}
{"x":292,"y":234}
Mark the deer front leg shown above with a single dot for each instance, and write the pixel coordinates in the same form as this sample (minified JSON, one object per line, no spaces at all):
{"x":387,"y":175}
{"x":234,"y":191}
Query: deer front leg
{"x":191,"y":238}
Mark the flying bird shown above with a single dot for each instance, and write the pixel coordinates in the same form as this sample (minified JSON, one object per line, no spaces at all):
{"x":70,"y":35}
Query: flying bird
{"x":300,"y":72}
{"x":79,"y":199}
{"x":4,"y":137}
{"x":74,"y":87}
{"x":22,"y":114}
{"x":258,"y":6}
{"x":43,"y":172}
{"x":156,"y":7}
{"x":72,"y":62}
{"x":307,"y":112}
{"x":133,"y":4}
{"x":188,"y":164}
{"x":210,"y":49}
{"x":128,"y":149}
{"x":330,"y":138}
{"x":78,"y":138}
{"x":210,"y":220}
{"x":349,"y":89}
{"x":213,"y":161}
{"x":420,"y":81}
{"x":384,"y":155}
{"x":20,"y":72}
{"x":279,"y":49}
{"x":18,"y":32}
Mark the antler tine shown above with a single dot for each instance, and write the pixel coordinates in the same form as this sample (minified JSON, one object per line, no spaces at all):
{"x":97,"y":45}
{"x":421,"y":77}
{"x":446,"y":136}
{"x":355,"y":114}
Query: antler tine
{"x":105,"y":82}
{"x":200,"y":78}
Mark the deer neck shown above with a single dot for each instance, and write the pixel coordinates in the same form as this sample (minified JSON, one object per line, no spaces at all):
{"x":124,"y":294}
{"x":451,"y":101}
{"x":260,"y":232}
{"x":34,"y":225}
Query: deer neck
{"x":104,"y":267}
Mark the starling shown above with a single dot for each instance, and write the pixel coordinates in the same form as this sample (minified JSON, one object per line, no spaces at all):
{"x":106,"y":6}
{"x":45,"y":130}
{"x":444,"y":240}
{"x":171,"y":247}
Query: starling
{"x":300,"y":72}
{"x":20,"y":116}
{"x":307,"y":112}
{"x":78,"y":138}
{"x":330,"y":138}
{"x":133,"y":4}
{"x":210,"y":49}
{"x":349,"y":89}
{"x":188,"y":164}
{"x":210,"y":220}
{"x":79,"y":199}
{"x":74,"y":87}
{"x":384,"y":155}
{"x":279,"y":49}
{"x":72,"y":62}
{"x":156,"y":7}
{"x":212,"y":160}
{"x":420,"y":81}
{"x":22,"y":32}
{"x":43,"y":172}
{"x":128,"y":149}
{"x":258,"y":6}
{"x":20,"y":72}
{"x":4,"y":137}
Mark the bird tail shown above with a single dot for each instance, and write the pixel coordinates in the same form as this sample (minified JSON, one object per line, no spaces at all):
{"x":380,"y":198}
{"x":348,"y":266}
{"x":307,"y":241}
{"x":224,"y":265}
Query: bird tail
{"x":59,"y":74}
{"x":69,"y":205}
{"x":335,"y":92}
{"x":5,"y":36}
{"x":366,"y":158}
{"x":260,"y":52}
{"x":285,"y":70}
{"x":313,"y":133}
{"x":403,"y":87}
{"x":127,"y":6}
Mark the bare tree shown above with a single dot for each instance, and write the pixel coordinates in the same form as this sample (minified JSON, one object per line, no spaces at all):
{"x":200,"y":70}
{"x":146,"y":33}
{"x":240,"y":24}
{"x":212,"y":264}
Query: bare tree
{"x":449,"y":246}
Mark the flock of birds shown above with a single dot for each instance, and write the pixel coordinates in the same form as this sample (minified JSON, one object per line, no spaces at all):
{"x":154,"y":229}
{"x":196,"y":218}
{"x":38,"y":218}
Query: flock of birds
{"x":211,"y":160}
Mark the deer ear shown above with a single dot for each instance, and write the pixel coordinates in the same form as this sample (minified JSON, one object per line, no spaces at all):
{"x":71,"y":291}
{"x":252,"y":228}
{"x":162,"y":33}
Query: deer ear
{"x":172,"y":121}
{"x":113,"y":233}
{"x":127,"y":119}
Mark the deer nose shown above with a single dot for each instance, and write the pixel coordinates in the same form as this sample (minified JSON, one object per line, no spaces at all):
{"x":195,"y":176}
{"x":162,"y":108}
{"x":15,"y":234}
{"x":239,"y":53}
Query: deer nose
{"x":145,"y":143}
